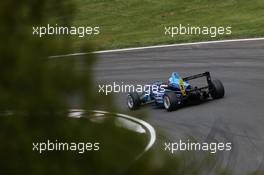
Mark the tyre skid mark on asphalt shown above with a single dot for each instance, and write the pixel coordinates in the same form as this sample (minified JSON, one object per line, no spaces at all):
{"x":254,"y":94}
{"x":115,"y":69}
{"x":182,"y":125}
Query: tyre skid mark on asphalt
{"x":229,"y":136}
{"x":256,"y":150}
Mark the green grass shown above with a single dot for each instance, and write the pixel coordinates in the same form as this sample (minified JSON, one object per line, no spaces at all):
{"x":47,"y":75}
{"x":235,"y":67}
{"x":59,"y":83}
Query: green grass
{"x":130,"y":23}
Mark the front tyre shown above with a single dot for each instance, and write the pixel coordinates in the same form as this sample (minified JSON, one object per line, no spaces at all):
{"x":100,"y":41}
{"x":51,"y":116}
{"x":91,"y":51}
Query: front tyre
{"x":171,"y":101}
{"x":133,"y":101}
{"x":217,"y":89}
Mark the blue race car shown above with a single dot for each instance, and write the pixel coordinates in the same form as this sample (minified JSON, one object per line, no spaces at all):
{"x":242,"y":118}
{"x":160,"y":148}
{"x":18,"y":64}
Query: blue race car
{"x":176,"y":92}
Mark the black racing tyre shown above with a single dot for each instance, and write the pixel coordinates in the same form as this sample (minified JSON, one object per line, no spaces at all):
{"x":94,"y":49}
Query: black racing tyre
{"x":171,"y":101}
{"x":133,"y":101}
{"x":217,"y":89}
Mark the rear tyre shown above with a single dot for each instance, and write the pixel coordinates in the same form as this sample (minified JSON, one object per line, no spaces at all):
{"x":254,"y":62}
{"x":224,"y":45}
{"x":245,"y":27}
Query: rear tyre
{"x":217,"y":89}
{"x":171,"y":101}
{"x":133,"y":101}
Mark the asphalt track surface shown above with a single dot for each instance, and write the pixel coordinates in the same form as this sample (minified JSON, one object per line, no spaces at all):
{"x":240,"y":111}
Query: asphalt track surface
{"x":237,"y":118}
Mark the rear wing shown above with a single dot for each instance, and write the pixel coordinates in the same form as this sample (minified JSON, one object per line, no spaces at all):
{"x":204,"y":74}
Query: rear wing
{"x":205,"y":74}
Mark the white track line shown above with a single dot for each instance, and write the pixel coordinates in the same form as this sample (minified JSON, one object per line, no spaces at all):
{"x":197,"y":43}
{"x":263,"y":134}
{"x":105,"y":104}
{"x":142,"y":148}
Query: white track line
{"x":151,"y":130}
{"x":159,"y":46}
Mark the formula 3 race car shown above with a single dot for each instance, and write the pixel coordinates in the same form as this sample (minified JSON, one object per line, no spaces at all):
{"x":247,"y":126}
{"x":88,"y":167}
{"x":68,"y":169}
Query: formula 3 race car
{"x":176,"y":92}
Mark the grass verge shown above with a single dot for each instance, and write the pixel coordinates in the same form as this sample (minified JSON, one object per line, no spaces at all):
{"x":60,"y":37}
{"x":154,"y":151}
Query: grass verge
{"x":134,"y":23}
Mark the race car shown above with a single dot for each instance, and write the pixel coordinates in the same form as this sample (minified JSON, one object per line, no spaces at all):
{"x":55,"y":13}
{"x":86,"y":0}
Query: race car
{"x":176,"y":92}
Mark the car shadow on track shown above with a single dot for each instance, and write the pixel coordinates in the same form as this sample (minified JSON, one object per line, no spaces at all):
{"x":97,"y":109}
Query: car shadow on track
{"x":184,"y":106}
